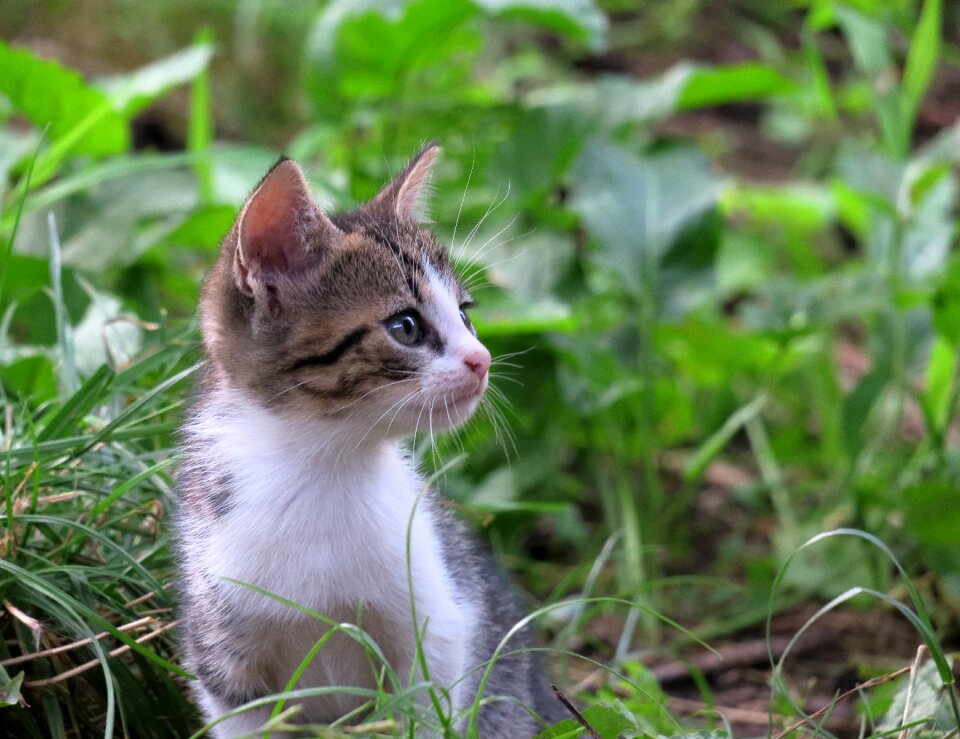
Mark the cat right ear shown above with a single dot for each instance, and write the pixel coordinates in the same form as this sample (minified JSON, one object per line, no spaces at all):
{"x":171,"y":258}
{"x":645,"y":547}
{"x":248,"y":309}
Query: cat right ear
{"x":273,"y":229}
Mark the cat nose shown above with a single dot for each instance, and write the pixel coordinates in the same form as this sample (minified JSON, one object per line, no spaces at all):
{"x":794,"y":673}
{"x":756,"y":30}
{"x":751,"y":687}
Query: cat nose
{"x":478,"y":360}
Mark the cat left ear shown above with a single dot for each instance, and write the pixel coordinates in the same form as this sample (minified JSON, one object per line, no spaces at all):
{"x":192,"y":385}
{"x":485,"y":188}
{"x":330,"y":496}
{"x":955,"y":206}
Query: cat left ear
{"x":405,"y":197}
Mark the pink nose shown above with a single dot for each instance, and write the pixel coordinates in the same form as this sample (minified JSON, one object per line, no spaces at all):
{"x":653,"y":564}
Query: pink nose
{"x":478,"y":360}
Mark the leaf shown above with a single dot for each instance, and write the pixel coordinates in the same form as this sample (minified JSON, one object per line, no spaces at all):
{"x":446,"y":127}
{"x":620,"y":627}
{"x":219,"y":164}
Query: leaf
{"x":730,"y":84}
{"x":921,"y":63}
{"x":607,"y":720}
{"x":578,"y":19}
{"x":48,"y":93}
{"x":30,"y":377}
{"x":856,"y":409}
{"x":377,"y":49}
{"x":930,"y":230}
{"x":204,"y":227}
{"x":867,"y":38}
{"x":939,"y":380}
{"x":931,"y":516}
{"x":10,"y":691}
{"x":534,"y":158}
{"x":635,"y":207}
{"x":132,"y":92}
{"x":946,"y":305}
{"x":612,"y":101}
{"x":77,"y":405}
{"x":105,"y":336}
{"x":517,"y":318}
{"x":921,"y":692}
{"x":134,"y":213}
{"x":15,"y":146}
{"x":370,"y":48}
{"x":804,"y":206}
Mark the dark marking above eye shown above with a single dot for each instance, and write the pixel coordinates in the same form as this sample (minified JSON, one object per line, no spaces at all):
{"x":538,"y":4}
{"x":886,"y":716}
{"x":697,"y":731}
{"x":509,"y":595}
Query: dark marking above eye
{"x":346,"y":344}
{"x":412,"y":269}
{"x":414,"y":288}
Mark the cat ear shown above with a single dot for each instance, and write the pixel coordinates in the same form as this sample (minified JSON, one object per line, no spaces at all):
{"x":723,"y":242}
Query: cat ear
{"x":274,"y":225}
{"x":406,"y":196}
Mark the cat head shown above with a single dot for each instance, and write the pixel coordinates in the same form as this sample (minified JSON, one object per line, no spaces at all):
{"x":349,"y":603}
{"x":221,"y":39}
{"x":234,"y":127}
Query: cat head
{"x":358,"y":316}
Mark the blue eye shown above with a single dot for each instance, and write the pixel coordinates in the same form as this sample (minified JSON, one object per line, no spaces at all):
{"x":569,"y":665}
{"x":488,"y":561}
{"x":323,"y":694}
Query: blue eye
{"x":405,"y":328}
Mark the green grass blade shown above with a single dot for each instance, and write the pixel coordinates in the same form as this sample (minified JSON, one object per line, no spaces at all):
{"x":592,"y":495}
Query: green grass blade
{"x":78,"y":404}
{"x":921,"y":63}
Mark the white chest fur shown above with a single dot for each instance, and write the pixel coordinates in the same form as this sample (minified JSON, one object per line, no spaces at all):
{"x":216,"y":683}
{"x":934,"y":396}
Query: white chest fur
{"x":325,"y":525}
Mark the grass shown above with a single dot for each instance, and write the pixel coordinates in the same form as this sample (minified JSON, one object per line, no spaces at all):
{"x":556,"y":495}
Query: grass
{"x":734,"y":396}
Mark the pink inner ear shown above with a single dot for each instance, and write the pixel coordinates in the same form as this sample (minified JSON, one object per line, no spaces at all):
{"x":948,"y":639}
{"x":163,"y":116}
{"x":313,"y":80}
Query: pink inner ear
{"x":272,"y":224}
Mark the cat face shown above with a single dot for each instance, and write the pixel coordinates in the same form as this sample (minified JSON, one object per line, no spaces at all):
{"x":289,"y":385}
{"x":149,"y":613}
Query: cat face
{"x":359,"y":317}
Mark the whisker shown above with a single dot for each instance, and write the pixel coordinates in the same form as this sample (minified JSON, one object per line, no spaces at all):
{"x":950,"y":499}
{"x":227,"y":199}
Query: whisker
{"x":481,"y":252}
{"x":490,"y":210}
{"x":511,"y":355}
{"x":463,"y":197}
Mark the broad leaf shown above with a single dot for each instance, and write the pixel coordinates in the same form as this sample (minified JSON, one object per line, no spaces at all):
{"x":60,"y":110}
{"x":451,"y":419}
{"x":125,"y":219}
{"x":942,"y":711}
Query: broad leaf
{"x":730,"y":84}
{"x":635,"y":207}
{"x":132,"y":92}
{"x":579,"y":19}
{"x":47,"y":93}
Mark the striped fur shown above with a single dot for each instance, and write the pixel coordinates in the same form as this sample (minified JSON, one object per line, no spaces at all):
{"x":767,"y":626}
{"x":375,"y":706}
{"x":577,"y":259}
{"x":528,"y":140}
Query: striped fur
{"x":294,"y":480}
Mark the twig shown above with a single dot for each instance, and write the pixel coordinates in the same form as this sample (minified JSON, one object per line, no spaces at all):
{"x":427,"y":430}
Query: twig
{"x":743,"y":715}
{"x":21,"y":504}
{"x":911,"y":686}
{"x":576,"y":714}
{"x":141,"y":599}
{"x":374,"y":727}
{"x":872,"y":683}
{"x":10,"y":538}
{"x":740,"y":654}
{"x":94,"y":662}
{"x":29,"y":621}
{"x":75,"y":645}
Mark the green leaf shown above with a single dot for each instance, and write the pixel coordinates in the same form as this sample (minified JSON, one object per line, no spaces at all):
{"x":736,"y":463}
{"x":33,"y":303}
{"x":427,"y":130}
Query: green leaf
{"x":371,"y":48}
{"x":856,"y":409}
{"x":730,"y":84}
{"x":930,"y":514}
{"x":10,"y":691}
{"x":946,"y":305}
{"x":921,"y":63}
{"x":31,"y":378}
{"x":77,"y":405}
{"x":804,"y":206}
{"x":607,"y":720}
{"x":204,"y":227}
{"x":48,"y":93}
{"x":131,"y":93}
{"x":578,"y":19}
{"x":867,"y":38}
{"x":610,"y":101}
{"x":200,"y":131}
{"x":635,"y":207}
{"x":539,"y":151}
{"x":939,"y":380}
{"x":515,"y":318}
{"x":920,"y":694}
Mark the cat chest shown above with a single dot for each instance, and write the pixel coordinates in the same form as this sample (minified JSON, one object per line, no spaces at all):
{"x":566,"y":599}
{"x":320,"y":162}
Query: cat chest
{"x":326,"y":545}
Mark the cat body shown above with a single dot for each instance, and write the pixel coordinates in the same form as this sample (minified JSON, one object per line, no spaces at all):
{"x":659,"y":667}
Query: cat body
{"x":329,"y":340}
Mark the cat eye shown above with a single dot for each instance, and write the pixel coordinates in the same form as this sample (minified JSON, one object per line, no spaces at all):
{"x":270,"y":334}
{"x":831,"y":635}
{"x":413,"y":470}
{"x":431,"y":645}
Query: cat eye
{"x":405,"y":328}
{"x":466,"y":319}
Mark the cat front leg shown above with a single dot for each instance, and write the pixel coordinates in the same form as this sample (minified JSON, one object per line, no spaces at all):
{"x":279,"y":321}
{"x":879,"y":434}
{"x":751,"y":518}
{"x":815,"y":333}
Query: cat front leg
{"x":229,"y":654}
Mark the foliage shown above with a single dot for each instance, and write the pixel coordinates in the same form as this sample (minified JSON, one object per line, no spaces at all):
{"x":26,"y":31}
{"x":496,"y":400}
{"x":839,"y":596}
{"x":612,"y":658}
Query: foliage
{"x":671,"y":315}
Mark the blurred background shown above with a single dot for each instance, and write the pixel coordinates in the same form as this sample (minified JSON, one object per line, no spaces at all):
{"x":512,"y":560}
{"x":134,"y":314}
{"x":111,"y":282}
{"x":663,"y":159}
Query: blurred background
{"x":716,"y":245}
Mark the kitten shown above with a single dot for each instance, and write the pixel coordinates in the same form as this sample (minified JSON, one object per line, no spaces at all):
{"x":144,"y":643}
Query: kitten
{"x":329,"y":339}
